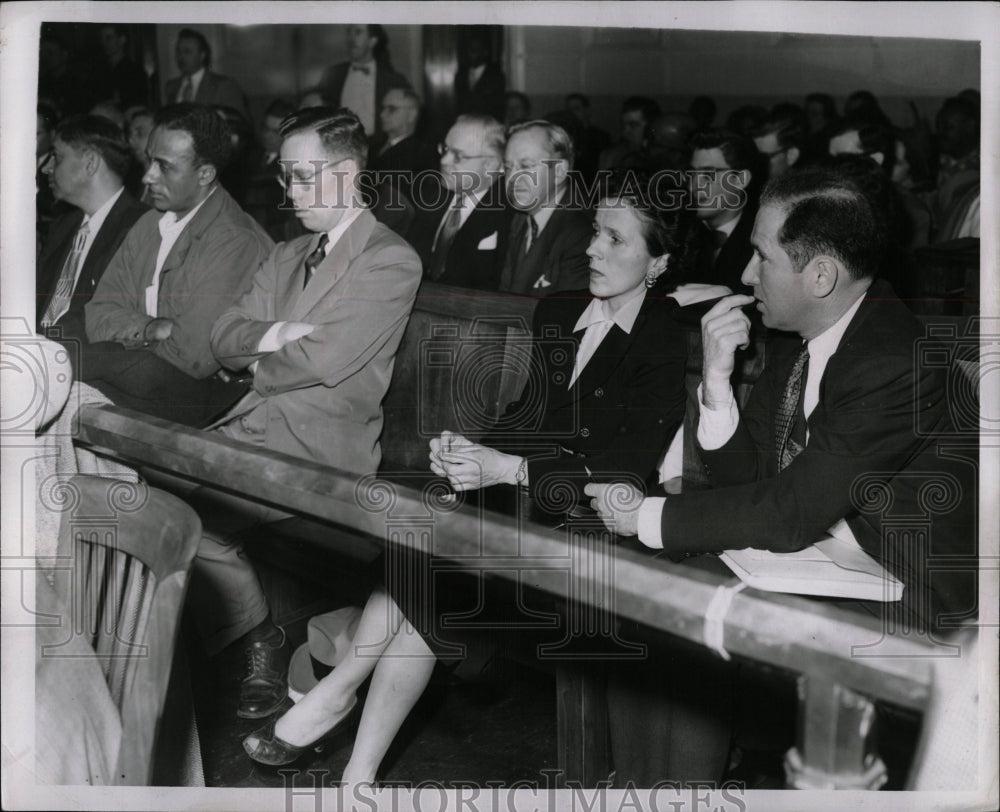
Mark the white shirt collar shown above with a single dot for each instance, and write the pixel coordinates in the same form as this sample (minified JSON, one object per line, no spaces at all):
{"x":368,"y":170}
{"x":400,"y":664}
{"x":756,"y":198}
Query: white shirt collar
{"x":825,"y":344}
{"x":544,"y":214}
{"x":335,"y":233}
{"x":729,"y":227}
{"x":169,"y":223}
{"x":597,"y":312}
{"x":96,"y":220}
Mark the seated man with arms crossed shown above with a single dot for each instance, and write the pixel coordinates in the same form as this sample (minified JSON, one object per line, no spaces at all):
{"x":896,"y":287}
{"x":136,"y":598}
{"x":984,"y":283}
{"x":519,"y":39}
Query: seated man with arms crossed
{"x":319,"y":330}
{"x":177,"y":269}
{"x":832,"y":423}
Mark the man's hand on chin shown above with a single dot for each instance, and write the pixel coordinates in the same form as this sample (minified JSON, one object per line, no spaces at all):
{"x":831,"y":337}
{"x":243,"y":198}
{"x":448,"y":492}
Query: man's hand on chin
{"x":618,"y":506}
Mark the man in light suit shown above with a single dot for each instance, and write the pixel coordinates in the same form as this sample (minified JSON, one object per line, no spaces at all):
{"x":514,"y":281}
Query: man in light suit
{"x":844,"y":416}
{"x":177,"y":269}
{"x":318,"y":331}
{"x":547,"y":248}
{"x":90,"y":160}
{"x":197,"y":83}
{"x":461,"y":235}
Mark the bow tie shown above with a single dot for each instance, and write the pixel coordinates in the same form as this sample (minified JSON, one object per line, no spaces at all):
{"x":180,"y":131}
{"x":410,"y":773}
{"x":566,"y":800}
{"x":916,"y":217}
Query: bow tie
{"x":363,"y":68}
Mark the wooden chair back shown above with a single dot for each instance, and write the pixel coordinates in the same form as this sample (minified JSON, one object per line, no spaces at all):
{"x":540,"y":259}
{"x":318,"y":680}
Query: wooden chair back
{"x":132,"y":551}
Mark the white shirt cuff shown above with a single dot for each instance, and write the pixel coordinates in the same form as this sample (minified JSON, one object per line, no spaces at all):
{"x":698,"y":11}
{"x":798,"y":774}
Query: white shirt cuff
{"x":269,"y":341}
{"x":716,"y":426}
{"x":650,"y":516}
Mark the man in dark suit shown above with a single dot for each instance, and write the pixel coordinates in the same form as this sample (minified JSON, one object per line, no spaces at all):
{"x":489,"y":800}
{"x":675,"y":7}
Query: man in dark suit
{"x":843,"y":422}
{"x":401,"y":149}
{"x":547,"y":247}
{"x":318,"y":330}
{"x":90,"y":160}
{"x":461,"y":233}
{"x":725,"y":181}
{"x":362,"y":82}
{"x":120,"y":79}
{"x":786,"y":473}
{"x":264,"y":196}
{"x":479,"y":83}
{"x":199,"y":84}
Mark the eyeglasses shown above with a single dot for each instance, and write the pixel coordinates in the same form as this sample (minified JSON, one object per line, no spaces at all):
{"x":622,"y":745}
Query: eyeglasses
{"x":286,"y":179}
{"x":444,"y":149}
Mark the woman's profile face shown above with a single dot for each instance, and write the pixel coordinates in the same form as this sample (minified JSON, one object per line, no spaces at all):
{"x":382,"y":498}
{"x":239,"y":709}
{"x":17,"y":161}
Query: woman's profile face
{"x":619,"y":258}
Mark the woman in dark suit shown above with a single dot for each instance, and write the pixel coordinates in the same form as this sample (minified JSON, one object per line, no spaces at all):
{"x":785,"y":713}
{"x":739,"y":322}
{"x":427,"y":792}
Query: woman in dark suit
{"x":612,"y":396}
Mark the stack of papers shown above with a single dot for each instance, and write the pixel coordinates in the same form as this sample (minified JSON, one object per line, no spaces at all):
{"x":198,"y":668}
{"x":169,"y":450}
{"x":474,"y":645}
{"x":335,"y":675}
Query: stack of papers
{"x":832,"y":567}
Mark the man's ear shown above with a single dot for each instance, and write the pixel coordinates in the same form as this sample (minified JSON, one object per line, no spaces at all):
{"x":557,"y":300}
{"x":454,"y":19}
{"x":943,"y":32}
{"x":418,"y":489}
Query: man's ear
{"x":825,"y":272}
{"x":91,"y":162}
{"x":792,"y":155}
{"x":878,"y":157}
{"x":743,"y":178}
{"x":561,"y":170}
{"x":207,"y":173}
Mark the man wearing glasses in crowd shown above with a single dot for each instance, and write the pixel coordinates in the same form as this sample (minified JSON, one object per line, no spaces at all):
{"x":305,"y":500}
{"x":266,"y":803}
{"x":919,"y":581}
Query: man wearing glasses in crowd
{"x":460,"y":230}
{"x":318,"y":330}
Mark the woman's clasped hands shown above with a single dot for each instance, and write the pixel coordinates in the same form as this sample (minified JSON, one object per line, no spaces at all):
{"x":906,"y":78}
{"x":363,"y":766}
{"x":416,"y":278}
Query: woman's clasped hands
{"x":468,"y":466}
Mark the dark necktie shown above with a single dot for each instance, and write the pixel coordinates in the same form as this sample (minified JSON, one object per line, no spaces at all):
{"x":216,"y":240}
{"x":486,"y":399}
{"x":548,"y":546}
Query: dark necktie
{"x":718,"y":238}
{"x":531,"y":234}
{"x":446,"y":237}
{"x":790,"y":422}
{"x":315,"y":258}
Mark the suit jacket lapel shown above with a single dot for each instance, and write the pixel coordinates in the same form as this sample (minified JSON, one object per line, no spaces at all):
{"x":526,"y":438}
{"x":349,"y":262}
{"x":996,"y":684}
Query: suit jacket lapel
{"x":608,"y":356}
{"x":333,"y":269}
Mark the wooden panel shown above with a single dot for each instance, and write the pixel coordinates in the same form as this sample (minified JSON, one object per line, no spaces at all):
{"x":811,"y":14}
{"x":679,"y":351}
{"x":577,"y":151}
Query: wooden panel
{"x":786,"y":630}
{"x":453,"y":370}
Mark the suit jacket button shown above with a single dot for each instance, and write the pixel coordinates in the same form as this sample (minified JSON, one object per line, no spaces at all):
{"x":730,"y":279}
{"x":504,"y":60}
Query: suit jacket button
{"x":599,"y":392}
{"x":584,"y":432}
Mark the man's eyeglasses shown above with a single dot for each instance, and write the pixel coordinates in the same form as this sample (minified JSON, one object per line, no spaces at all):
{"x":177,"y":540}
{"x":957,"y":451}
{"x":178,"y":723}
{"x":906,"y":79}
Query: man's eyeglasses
{"x":286,"y":179}
{"x":444,"y":149}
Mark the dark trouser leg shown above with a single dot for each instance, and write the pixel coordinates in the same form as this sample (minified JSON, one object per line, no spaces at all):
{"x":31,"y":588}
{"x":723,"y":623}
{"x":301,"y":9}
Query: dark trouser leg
{"x":670,"y":716}
{"x":141,"y":380}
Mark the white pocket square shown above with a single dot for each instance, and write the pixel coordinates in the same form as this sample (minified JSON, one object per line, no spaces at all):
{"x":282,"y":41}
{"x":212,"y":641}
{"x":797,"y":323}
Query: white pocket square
{"x":488,"y":243}
{"x":542,"y":282}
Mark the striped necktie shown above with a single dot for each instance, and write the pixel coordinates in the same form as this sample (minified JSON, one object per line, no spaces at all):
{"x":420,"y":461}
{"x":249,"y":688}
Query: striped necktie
{"x":63,"y":295}
{"x":789,"y":430}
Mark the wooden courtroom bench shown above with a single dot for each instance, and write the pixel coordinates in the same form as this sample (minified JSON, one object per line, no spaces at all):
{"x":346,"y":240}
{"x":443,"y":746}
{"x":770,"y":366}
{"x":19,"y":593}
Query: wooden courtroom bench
{"x":457,"y":370}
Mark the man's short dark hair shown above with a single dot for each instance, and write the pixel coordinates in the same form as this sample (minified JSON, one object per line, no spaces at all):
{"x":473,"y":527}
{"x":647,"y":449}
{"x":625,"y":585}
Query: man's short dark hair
{"x":48,"y":114}
{"x":102,"y":136}
{"x":824,"y":100}
{"x":210,"y":133}
{"x":830,"y":210}
{"x":787,"y":127}
{"x":873,"y":136}
{"x":580,"y":98}
{"x":340,"y":131}
{"x":197,"y":36}
{"x":739,"y":151}
{"x":650,"y":109}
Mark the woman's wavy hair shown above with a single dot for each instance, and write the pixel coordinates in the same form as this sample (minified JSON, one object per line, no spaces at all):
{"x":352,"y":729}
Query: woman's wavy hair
{"x":660,"y":201}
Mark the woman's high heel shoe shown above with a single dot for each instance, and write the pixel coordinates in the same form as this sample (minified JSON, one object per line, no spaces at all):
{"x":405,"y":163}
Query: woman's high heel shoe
{"x":264,"y":747}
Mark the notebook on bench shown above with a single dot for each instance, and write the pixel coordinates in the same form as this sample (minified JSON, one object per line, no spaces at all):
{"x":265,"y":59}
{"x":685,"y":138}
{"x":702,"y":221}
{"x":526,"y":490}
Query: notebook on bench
{"x":831,"y":567}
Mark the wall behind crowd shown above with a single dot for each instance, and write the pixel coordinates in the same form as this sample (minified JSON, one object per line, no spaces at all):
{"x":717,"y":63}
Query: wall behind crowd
{"x":734,"y":68}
